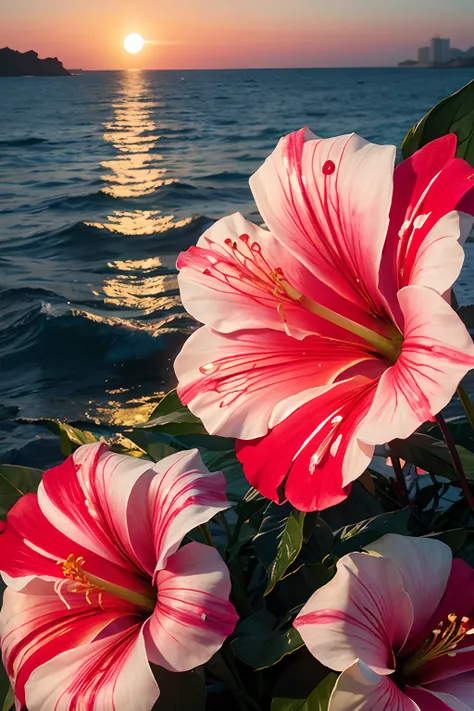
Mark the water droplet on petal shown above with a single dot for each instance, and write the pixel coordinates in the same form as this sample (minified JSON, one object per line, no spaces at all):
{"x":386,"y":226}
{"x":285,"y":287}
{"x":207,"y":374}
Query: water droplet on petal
{"x":329,"y":167}
{"x":203,"y":617}
{"x":208,"y":368}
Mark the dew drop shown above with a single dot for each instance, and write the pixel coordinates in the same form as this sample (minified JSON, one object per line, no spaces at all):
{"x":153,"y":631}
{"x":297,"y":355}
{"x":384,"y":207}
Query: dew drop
{"x":208,"y":369}
{"x":329,"y":167}
{"x":203,"y":617}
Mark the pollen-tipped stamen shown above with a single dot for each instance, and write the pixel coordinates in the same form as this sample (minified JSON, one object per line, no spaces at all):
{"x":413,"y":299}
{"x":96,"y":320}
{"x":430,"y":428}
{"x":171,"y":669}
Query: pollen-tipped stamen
{"x":390,"y":349}
{"x":73,"y":570}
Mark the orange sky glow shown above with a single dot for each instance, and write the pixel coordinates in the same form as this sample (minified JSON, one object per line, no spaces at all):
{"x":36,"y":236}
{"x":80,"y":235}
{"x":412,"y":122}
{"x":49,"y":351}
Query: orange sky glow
{"x":218,"y":34}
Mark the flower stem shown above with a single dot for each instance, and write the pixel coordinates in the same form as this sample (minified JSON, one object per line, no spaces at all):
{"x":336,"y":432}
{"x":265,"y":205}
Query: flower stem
{"x":467,"y":404}
{"x":207,"y":534}
{"x":457,"y":463}
{"x":400,"y":481}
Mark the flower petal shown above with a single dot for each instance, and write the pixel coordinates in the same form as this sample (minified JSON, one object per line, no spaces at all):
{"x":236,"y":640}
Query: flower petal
{"x":327,"y":201}
{"x":362,"y":613}
{"x":183,"y":495}
{"x":30,"y":548}
{"x":437,"y":352}
{"x":110,"y":673}
{"x":361,"y":689}
{"x":457,"y":691}
{"x":193,"y":615}
{"x":424,"y":565}
{"x":428,"y":701}
{"x":458,"y":600}
{"x":315,"y":447}
{"x":440,"y":256}
{"x":36,"y":628}
{"x":233,"y":382}
{"x":233,"y":280}
{"x":427,"y":186}
{"x":87,"y":499}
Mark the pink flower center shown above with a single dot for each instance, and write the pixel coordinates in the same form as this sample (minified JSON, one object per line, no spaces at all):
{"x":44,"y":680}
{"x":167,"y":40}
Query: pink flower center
{"x":389,"y":348}
{"x":91,"y":585}
{"x":442,"y":641}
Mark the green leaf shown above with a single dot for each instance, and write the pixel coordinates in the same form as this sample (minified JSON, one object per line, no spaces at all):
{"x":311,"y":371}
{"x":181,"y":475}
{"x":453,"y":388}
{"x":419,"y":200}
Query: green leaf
{"x":183,"y":691}
{"x":432,"y":455}
{"x":352,"y":538}
{"x":9,"y":700}
{"x":279,"y":541}
{"x":225,"y":461}
{"x":172,"y":416}
{"x":6,"y":694}
{"x":259,"y":644}
{"x":318,"y":700}
{"x":455,"y":114}
{"x":16,"y":481}
{"x":70,"y":438}
{"x":289,"y":545}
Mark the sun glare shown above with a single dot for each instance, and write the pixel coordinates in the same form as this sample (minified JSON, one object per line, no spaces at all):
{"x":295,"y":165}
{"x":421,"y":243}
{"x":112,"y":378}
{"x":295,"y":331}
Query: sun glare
{"x":133,"y":43}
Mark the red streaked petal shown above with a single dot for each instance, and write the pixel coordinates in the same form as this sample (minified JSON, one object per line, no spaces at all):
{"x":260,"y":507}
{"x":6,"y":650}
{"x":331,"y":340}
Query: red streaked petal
{"x":362,"y":613}
{"x":334,"y":221}
{"x":183,"y":495}
{"x":234,"y":382}
{"x":360,"y":689}
{"x":437,"y":352}
{"x":109,"y":674}
{"x":36,"y":628}
{"x":30,"y":547}
{"x":193,"y":615}
{"x":316,"y":448}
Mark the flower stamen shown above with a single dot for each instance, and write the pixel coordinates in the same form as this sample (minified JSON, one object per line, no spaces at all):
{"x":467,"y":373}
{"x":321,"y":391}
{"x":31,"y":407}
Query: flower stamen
{"x":443,"y":640}
{"x":72,"y":569}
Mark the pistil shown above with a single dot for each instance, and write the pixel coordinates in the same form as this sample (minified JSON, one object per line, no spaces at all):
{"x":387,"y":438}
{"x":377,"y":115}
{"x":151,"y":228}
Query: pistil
{"x":390,"y":349}
{"x":73,"y":570}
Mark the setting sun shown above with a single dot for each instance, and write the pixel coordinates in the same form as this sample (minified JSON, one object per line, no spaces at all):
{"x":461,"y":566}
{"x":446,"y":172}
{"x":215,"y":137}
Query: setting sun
{"x":133,"y":43}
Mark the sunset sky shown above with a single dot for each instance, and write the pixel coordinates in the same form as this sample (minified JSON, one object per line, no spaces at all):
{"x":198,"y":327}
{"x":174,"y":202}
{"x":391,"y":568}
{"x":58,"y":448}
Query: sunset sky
{"x":244,"y":33}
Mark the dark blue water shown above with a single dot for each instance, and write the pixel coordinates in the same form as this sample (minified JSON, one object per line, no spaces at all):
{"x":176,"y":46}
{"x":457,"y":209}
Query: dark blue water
{"x":106,"y":176}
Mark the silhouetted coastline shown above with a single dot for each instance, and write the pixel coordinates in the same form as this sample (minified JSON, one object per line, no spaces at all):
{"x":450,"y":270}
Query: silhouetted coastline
{"x":20,"y":64}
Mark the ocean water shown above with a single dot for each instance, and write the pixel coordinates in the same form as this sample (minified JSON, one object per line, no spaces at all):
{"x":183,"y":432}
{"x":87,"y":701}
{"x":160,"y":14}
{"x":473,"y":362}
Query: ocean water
{"x":105,"y":177}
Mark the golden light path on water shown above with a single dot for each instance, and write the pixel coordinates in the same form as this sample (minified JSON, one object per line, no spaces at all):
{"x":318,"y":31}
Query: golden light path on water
{"x":134,"y":286}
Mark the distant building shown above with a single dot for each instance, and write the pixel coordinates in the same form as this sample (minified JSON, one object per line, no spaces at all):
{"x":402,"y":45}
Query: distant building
{"x":424,"y":56}
{"x":439,"y":51}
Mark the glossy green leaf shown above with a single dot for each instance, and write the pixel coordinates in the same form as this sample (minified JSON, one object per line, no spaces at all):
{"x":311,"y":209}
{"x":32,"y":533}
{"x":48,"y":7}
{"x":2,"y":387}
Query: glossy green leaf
{"x":318,"y":700}
{"x":172,"y":416}
{"x":279,"y":540}
{"x":70,"y":438}
{"x":16,"y":481}
{"x":359,"y":535}
{"x":432,"y":455}
{"x":259,"y":644}
{"x":236,"y":484}
{"x":455,"y":114}
{"x":290,"y":541}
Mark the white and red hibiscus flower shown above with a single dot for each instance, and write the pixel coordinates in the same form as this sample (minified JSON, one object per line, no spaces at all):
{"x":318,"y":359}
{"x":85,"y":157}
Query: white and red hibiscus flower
{"x":397,"y":621}
{"x":331,"y":331}
{"x":98,"y":587}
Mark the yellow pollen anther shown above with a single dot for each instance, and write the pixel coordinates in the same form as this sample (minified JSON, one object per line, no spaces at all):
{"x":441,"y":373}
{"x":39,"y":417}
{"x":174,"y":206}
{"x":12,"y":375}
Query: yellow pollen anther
{"x":73,"y":570}
{"x":443,"y":641}
{"x":390,"y":349}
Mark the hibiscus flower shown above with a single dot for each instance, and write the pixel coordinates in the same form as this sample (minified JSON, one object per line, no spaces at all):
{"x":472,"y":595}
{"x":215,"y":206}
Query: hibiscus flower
{"x":332,"y":331}
{"x":397,"y":621}
{"x":98,"y":587}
